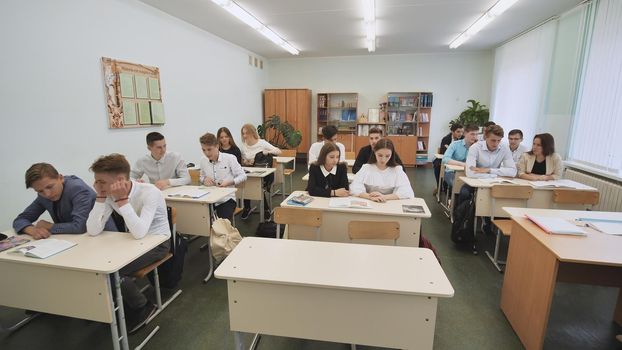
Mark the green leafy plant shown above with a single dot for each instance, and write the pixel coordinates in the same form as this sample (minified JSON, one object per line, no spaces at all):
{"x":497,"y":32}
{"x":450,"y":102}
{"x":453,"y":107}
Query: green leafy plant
{"x":279,"y":134}
{"x":476,"y":113}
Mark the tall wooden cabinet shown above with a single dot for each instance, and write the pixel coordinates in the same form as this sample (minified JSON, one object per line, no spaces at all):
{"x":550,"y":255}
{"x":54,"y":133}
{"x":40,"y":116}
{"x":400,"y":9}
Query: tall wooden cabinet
{"x":293,"y":106}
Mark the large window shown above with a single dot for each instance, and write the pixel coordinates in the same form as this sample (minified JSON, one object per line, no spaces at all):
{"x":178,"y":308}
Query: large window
{"x":597,"y":128}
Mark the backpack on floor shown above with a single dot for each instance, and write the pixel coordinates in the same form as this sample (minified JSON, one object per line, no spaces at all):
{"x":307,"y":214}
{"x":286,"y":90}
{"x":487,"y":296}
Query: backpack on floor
{"x":462,"y":230}
{"x":268,"y":229}
{"x":223,"y":238}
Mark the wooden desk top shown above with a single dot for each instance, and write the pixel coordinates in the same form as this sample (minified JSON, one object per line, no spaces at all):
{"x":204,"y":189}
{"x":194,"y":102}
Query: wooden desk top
{"x":105,"y":253}
{"x":596,"y":248}
{"x":374,"y":268}
{"x":473,"y":182}
{"x":215,"y":193}
{"x":258,"y":172}
{"x":284,"y":159}
{"x":392,"y":208}
{"x":454,"y":167}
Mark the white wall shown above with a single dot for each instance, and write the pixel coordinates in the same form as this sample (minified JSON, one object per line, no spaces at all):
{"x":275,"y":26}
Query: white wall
{"x":52,"y":96}
{"x":453,"y":78}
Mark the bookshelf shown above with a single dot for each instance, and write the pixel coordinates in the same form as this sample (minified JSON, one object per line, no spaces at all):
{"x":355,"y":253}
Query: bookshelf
{"x":340,"y":110}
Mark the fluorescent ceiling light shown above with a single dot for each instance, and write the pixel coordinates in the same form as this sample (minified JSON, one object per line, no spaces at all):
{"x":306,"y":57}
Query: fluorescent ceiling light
{"x":369,"y":10}
{"x":496,"y":10}
{"x":254,"y":23}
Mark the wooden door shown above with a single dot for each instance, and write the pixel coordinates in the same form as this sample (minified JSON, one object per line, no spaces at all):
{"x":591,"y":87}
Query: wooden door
{"x":269,"y":103}
{"x":281,"y":104}
{"x":303,"y":122}
{"x":408,"y":152}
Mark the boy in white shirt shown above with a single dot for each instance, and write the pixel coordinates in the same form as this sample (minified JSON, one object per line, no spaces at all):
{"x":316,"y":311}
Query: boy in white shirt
{"x":515,"y":137}
{"x":329,"y":133}
{"x":222,"y":170}
{"x":143,"y":210}
{"x":164,"y":169}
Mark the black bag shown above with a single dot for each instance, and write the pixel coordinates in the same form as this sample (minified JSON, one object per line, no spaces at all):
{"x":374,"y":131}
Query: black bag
{"x":264,"y":161}
{"x":268,"y":229}
{"x":462,"y":230}
{"x":170,"y":272}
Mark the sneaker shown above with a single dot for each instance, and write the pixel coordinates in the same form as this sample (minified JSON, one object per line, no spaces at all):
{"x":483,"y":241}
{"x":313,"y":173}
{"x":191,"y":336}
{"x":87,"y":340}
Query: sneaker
{"x":140,"y":318}
{"x":246,"y":212}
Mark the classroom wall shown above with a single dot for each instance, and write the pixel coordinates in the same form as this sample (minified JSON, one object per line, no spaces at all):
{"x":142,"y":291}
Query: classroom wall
{"x":52,"y":91}
{"x":454,"y":78}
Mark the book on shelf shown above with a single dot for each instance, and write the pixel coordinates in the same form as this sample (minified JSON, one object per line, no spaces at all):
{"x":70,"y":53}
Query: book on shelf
{"x":193,"y":193}
{"x":553,"y":225}
{"x":421,"y":145}
{"x":301,"y":199}
{"x":349,"y":202}
{"x":11,"y":242}
{"x":409,"y":208}
{"x":44,"y":248}
{"x":373,"y":115}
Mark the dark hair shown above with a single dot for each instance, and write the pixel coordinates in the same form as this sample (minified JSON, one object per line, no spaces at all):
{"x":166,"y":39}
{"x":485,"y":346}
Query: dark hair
{"x":489,"y":123}
{"x":381,"y":144}
{"x":471,"y":127}
{"x":38,"y":171}
{"x":228,"y":132}
{"x":375,"y":130}
{"x":548,"y":144}
{"x":495,"y":130}
{"x":208,"y":139}
{"x":153,"y":137}
{"x":326,"y":149}
{"x":514,"y":132}
{"x":456,"y":126}
{"x":114,"y":163}
{"x":329,"y":131}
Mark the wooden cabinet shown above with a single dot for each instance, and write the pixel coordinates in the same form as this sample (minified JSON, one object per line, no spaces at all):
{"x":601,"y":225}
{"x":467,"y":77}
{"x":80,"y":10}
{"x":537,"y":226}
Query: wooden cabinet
{"x":293,"y":106}
{"x":347,"y":139}
{"x":406,"y":147}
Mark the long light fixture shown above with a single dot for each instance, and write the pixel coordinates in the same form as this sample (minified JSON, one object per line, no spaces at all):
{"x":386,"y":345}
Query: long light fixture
{"x":254,"y":23}
{"x":369,"y":8}
{"x":495,"y":11}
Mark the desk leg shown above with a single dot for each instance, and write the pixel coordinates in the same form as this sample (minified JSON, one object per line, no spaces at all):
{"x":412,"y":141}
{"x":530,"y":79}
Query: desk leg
{"x":237,"y":338}
{"x":528,"y":287}
{"x":261,"y":206}
{"x":617,"y":315}
{"x":121,"y":316}
{"x":209,"y":249}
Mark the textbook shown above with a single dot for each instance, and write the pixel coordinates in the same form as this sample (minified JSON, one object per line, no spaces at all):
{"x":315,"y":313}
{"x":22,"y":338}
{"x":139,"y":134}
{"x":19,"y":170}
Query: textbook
{"x":44,"y":248}
{"x":409,"y":208}
{"x":498,"y":180}
{"x":558,"y":226}
{"x":11,"y":242}
{"x":608,"y":226}
{"x":349,"y":202}
{"x":558,"y":184}
{"x":302,"y":199}
{"x":193,"y":193}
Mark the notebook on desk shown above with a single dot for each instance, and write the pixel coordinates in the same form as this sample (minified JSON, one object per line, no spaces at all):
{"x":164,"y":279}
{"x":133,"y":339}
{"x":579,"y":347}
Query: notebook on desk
{"x":558,"y":226}
{"x":189,"y":193}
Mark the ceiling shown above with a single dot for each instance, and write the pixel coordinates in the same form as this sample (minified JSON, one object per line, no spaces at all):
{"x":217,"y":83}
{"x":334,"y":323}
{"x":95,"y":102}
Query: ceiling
{"x":321,"y":28}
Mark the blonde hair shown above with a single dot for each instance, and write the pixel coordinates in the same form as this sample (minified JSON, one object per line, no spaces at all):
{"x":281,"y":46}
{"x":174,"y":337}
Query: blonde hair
{"x":250,"y":128}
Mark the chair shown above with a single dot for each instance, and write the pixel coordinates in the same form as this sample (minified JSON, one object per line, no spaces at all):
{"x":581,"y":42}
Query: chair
{"x":504,"y":226}
{"x":297,"y":216}
{"x":374,"y":230}
{"x":172,"y":219}
{"x":194,"y":176}
{"x":588,"y":199}
{"x":288,"y":173}
{"x":350,"y":155}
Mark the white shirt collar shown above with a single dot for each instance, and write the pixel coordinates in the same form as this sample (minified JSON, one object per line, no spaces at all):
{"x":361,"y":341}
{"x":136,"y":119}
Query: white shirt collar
{"x":326,"y":172}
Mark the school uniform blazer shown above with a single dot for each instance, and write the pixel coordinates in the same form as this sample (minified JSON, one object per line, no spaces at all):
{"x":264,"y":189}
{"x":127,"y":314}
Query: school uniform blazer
{"x":322,"y":186}
{"x":554,"y":165}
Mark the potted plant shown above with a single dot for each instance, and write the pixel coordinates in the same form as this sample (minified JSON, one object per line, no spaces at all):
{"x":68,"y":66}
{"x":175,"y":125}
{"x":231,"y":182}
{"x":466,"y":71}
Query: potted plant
{"x":476,"y":113}
{"x":279,"y":134}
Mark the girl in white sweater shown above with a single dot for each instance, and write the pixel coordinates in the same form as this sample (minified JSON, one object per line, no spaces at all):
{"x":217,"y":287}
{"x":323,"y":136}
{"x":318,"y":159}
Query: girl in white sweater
{"x":382,"y":179}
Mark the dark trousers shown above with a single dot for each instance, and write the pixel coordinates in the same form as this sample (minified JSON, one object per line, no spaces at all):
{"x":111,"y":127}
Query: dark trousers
{"x":130,"y":291}
{"x":225,"y":210}
{"x":466,"y":193}
{"x":437,"y":169}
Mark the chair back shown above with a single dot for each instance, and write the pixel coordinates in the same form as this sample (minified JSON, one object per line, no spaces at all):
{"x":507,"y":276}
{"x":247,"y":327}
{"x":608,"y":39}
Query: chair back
{"x":523,"y":192}
{"x":350,"y":155}
{"x":374,"y":230}
{"x":194,"y":177}
{"x":296,"y":216}
{"x":582,"y":197}
{"x":288,"y":153}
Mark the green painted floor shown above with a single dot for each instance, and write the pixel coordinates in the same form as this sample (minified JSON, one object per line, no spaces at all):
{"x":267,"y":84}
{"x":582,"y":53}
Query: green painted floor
{"x":198,"y":319}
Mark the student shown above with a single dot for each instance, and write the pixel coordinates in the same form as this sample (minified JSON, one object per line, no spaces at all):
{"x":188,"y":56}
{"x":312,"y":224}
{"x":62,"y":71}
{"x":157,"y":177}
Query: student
{"x":365,"y":152}
{"x":251,"y":146}
{"x":515,"y":137}
{"x":328,"y":177}
{"x":226,"y":144}
{"x":67,"y":199}
{"x":164,"y":169}
{"x":382,"y":179}
{"x":456,"y":133}
{"x":457,"y":152}
{"x":490,"y":158}
{"x":541,"y":163}
{"x":143,"y":210}
{"x":222,"y":170}
{"x":482,"y":136}
{"x":329,"y":133}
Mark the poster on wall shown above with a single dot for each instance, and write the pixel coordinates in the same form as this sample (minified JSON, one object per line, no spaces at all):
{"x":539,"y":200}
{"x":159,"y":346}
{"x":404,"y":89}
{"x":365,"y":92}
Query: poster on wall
{"x":133,"y":96}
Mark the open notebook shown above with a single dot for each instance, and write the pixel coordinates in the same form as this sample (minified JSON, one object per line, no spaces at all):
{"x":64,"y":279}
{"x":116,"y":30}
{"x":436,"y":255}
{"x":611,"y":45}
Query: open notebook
{"x":189,"y":193}
{"x":349,"y":202}
{"x":558,"y":226}
{"x":44,"y":248}
{"x":610,"y":227}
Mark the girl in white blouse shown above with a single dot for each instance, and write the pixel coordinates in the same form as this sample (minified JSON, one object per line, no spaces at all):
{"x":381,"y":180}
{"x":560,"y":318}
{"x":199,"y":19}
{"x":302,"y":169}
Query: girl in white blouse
{"x":382,"y":179}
